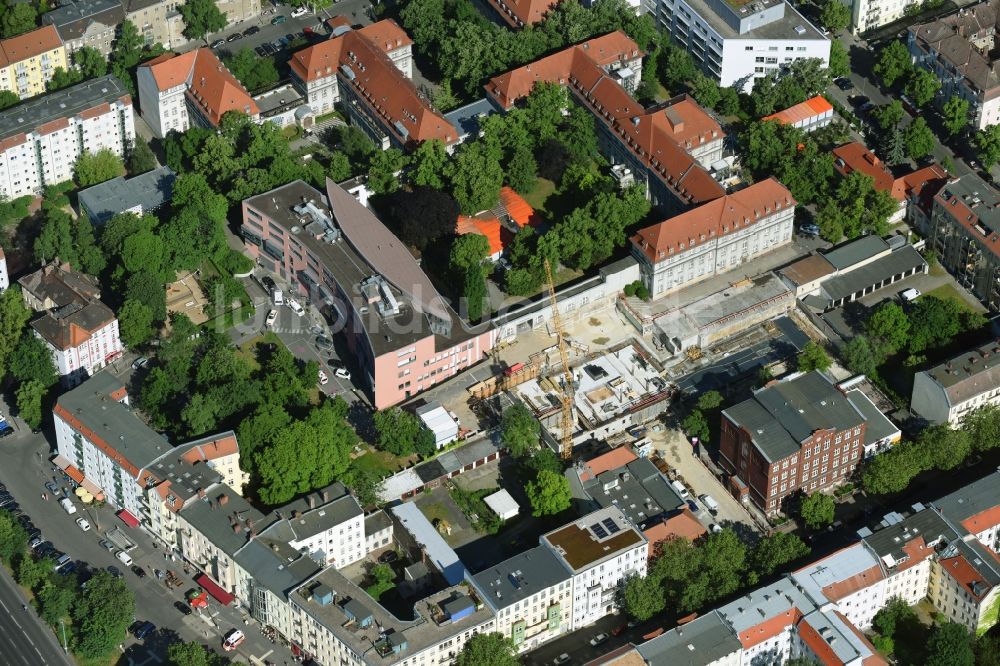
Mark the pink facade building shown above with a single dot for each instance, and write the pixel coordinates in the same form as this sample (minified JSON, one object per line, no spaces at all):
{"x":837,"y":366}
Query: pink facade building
{"x":403,"y":335}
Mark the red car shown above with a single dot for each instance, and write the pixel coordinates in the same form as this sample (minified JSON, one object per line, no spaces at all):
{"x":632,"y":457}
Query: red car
{"x":619,"y":629}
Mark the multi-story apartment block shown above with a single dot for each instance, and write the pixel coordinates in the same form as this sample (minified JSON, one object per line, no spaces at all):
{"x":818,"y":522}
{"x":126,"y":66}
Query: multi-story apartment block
{"x":715,"y":237}
{"x":368,"y":71}
{"x":531,"y":595}
{"x":963,"y":229}
{"x":41,"y":139}
{"x":176,"y":91}
{"x":94,"y":23}
{"x":79,"y":330}
{"x":667,"y":148}
{"x":600,"y":550}
{"x":950,"y":390}
{"x":28,"y":61}
{"x":87,"y":23}
{"x":799,"y":434}
{"x":738,"y":41}
{"x":159,"y":21}
{"x":867,"y":15}
{"x":401,"y":333}
{"x":958,"y":50}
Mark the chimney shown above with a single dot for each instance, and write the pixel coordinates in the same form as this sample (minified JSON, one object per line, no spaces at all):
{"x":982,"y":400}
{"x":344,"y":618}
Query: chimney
{"x":312,"y":501}
{"x":326,"y":495}
{"x":223,"y":500}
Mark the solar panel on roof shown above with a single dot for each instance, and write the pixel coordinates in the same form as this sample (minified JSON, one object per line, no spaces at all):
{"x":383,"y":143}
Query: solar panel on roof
{"x":611,"y":525}
{"x":599,"y":531}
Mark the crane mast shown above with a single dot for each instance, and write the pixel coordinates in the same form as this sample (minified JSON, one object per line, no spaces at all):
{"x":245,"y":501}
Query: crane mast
{"x":566,"y":441}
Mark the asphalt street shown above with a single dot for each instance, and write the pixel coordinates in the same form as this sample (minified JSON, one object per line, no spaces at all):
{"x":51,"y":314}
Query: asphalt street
{"x":24,"y":638}
{"x":24,"y":468}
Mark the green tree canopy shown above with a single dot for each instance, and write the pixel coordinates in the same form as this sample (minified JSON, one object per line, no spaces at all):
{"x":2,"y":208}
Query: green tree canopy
{"x":549,"y":494}
{"x":102,"y":614}
{"x":17,"y":18}
{"x":950,"y":645}
{"x":397,"y":431}
{"x":254,"y":72}
{"x":382,"y":170}
{"x":813,"y":357}
{"x":192,"y":654}
{"x":93,"y":168}
{"x":774,"y":551}
{"x":428,"y":164}
{"x":919,"y":139}
{"x":988,"y":145}
{"x":643,"y":597}
{"x":890,"y":326}
{"x":956,"y":114}
{"x":476,"y":178}
{"x":834,"y":15}
{"x":493,"y":649}
{"x":922,"y":86}
{"x":520,"y":430}
{"x":816,"y":510}
{"x":13,"y":317}
{"x":889,"y":115}
{"x":13,"y":539}
{"x":32,"y":361}
{"x":201,"y":17}
{"x":893,"y":63}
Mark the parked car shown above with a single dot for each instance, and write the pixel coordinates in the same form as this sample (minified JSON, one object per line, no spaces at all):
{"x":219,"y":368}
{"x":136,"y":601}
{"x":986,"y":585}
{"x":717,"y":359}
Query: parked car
{"x":599,"y":639}
{"x":301,"y":11}
{"x":278,"y":20}
{"x":844,"y":84}
{"x":268,"y":283}
{"x":323,"y":378}
{"x":342,"y":372}
{"x":140,"y":363}
{"x":143,"y":629}
{"x":252,"y":30}
{"x":52,"y":488}
{"x":709,"y":501}
{"x":233,"y":37}
{"x":809,"y":230}
{"x":908,"y":295}
{"x":217,"y":43}
{"x":271,"y":316}
{"x":618,"y":630}
{"x":561,"y":659}
{"x":83,"y":524}
{"x":260,"y":51}
{"x":107,"y":545}
{"x":714,"y":528}
{"x":114,"y":571}
{"x":388,"y":556}
{"x":693,"y":506}
{"x":859,"y":100}
{"x":183,"y":607}
{"x":35,"y":543}
{"x":139,"y":571}
{"x":124,"y":558}
{"x":232,"y":640}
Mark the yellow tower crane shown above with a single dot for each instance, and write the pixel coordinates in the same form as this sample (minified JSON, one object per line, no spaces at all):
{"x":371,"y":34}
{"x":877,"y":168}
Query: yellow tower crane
{"x":566,"y":444}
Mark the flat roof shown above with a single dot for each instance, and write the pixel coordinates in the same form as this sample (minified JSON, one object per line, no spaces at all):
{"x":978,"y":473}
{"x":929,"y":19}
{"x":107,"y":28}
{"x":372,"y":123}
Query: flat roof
{"x":873,"y":273}
{"x":436,"y":549}
{"x":115,"y":424}
{"x":149,"y":190}
{"x":877,"y":425}
{"x":466,"y":118}
{"x":705,"y":640}
{"x":592,"y":539}
{"x":638,"y":489}
{"x":852,"y":252}
{"x":66,"y":103}
{"x":430,"y":626}
{"x":520,"y":577}
{"x":783,"y":28}
{"x":972,"y":499}
{"x":807,"y":269}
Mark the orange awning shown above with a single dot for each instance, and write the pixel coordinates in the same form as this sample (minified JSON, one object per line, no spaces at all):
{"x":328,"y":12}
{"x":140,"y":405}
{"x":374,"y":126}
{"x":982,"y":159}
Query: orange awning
{"x":73,"y":473}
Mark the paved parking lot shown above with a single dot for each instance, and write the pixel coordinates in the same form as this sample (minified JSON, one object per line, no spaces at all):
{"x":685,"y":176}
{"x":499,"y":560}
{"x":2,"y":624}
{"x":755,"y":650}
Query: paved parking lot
{"x":24,"y":468}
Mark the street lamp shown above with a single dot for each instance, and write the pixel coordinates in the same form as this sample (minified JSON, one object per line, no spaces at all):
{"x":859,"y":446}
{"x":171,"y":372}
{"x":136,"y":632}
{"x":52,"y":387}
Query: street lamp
{"x":63,"y":625}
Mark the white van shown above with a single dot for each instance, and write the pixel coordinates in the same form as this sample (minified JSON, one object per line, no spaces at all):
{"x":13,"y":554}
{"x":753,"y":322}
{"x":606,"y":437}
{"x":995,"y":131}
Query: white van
{"x":278,"y":297}
{"x":295,"y":307}
{"x":909,"y":295}
{"x":67,"y":505}
{"x":124,"y":558}
{"x":710,"y":502}
{"x":682,"y":492}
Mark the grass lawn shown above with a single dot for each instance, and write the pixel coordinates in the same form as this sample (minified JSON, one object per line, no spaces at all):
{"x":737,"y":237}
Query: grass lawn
{"x":436,"y":511}
{"x":381,"y":463}
{"x":328,"y":116}
{"x":246,"y":350}
{"x":948,"y":291}
{"x":543,"y":190}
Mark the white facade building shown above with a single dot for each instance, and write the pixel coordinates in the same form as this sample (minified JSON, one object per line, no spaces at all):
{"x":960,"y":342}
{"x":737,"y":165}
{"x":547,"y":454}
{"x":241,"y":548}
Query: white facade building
{"x":532,"y":596}
{"x":867,"y":15}
{"x":600,"y":550}
{"x":41,"y":139}
{"x":4,"y":276}
{"x":949,"y":391}
{"x":737,"y":42}
{"x":715,"y":237}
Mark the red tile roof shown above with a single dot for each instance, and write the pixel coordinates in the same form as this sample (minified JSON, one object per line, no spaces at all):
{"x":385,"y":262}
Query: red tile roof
{"x":856,"y":157}
{"x":848,"y":586}
{"x":683,"y":525}
{"x":613,"y":459}
{"x":605,"y":50}
{"x":769,"y":627}
{"x":720,"y":217}
{"x":375,"y":79}
{"x":487,"y":226}
{"x":966,"y":576}
{"x":968,"y":219}
{"x":29,"y":45}
{"x":211,"y":87}
{"x":518,"y":13}
{"x":520,"y":211}
{"x":225,"y":445}
{"x":810,"y":108}
{"x":975,"y":523}
{"x":387,"y":35}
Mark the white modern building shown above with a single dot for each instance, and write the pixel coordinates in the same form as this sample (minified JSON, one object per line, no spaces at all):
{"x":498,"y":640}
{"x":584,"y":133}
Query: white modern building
{"x":737,"y":41}
{"x":441,"y":424}
{"x":867,"y":15}
{"x":600,"y":550}
{"x":79,"y":330}
{"x":715,"y":237}
{"x":949,"y":391}
{"x":41,"y":139}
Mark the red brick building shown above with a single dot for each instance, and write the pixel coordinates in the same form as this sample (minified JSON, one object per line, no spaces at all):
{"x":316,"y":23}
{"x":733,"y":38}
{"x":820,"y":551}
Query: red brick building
{"x":801,"y":434}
